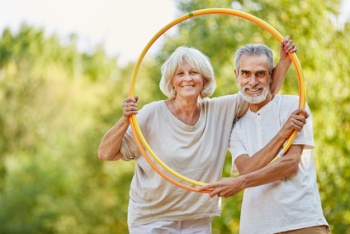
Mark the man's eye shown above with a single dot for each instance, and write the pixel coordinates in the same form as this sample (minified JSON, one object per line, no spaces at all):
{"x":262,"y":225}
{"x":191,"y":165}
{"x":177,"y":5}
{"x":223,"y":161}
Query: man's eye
{"x":244,"y":73}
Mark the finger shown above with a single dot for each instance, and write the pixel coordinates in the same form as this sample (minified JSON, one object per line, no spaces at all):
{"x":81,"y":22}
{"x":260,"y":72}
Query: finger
{"x":298,"y":118}
{"x":214,"y":193}
{"x":132,"y":106}
{"x":225,"y":194}
{"x":228,"y":192}
{"x":288,"y":46}
{"x":293,"y":50}
{"x":302,"y":112}
{"x":299,"y":111}
{"x":299,"y":122}
{"x":285,"y":40}
{"x":204,"y":188}
{"x":291,"y":47}
{"x":210,"y":186}
{"x":128,"y":108}
{"x":288,"y":43}
{"x":131,"y":101}
{"x":298,"y":128}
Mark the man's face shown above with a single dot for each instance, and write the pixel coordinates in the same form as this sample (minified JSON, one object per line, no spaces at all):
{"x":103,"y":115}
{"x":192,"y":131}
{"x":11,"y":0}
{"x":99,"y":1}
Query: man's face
{"x":253,"y":78}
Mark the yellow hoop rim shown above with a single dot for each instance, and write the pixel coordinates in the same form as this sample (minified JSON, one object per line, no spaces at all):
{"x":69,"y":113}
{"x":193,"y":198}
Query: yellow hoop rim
{"x":141,"y":141}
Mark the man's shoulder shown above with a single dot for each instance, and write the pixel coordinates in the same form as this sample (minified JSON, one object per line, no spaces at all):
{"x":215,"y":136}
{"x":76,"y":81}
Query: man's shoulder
{"x":286,"y":100}
{"x":287,"y":97}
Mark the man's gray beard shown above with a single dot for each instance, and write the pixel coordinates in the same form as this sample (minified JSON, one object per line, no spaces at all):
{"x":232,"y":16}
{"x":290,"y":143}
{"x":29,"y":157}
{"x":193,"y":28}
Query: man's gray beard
{"x":257,"y":98}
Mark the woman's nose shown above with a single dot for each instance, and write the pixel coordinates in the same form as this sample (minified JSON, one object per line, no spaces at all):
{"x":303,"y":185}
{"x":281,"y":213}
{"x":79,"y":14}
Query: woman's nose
{"x":187,"y":77}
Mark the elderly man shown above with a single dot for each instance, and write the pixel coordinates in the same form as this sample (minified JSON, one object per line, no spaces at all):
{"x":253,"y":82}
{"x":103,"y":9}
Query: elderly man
{"x":280,"y":196}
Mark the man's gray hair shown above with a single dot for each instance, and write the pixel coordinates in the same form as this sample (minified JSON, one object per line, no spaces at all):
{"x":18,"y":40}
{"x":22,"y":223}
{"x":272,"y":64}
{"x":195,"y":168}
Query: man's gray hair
{"x":254,"y":49}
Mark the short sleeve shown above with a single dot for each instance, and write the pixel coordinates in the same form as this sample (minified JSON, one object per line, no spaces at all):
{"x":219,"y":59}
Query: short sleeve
{"x":129,"y":148}
{"x":236,"y":146}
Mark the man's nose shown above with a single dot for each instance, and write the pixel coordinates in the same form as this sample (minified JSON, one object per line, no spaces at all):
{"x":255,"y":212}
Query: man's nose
{"x":252,"y":80}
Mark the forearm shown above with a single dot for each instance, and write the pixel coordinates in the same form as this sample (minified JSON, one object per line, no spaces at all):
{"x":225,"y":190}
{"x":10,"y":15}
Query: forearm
{"x":264,"y":156}
{"x":110,"y":145}
{"x":279,"y":73}
{"x":277,"y":170}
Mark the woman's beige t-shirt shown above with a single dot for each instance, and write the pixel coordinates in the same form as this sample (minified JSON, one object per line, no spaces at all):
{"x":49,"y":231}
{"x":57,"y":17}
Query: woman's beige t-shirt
{"x":197,"y":152}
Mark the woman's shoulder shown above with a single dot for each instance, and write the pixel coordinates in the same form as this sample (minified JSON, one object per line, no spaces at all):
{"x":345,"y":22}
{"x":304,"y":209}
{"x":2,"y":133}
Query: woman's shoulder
{"x":225,"y":98}
{"x":229,"y":105}
{"x":152,"y":107}
{"x":226,"y":101}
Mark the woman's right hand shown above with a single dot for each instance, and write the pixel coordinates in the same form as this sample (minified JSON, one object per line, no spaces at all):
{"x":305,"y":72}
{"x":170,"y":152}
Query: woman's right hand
{"x":129,"y":106}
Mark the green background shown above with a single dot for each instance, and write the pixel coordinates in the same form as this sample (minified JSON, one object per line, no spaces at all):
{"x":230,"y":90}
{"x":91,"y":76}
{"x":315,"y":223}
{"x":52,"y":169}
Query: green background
{"x":56,"y":103}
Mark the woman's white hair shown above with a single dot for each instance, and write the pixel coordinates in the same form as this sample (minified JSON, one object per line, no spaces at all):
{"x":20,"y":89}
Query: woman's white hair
{"x":194,"y":58}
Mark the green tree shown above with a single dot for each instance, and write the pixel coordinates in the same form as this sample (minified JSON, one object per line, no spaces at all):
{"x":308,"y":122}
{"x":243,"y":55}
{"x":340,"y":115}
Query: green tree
{"x":55,"y":105}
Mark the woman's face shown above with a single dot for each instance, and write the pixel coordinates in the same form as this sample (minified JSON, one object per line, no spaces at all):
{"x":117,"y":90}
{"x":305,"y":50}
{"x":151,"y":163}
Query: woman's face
{"x":188,"y":83}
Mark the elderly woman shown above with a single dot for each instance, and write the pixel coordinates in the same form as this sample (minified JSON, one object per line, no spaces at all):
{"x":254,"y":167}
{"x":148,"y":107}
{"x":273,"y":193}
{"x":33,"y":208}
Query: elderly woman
{"x":189,"y":132}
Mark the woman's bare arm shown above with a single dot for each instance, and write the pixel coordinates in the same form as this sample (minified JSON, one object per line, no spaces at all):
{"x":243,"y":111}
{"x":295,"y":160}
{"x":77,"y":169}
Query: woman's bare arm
{"x":109,"y":148}
{"x":281,"y":68}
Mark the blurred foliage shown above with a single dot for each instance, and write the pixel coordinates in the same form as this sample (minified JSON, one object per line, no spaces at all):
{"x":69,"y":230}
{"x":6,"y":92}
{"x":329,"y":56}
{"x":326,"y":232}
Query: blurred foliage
{"x":56,"y":103}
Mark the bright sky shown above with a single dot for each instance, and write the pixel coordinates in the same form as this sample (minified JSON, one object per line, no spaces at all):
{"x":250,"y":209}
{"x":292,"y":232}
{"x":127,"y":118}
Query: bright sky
{"x":123,"y":26}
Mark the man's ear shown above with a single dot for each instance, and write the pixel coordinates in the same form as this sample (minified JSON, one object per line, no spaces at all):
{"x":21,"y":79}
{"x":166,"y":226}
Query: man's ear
{"x":237,"y":79}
